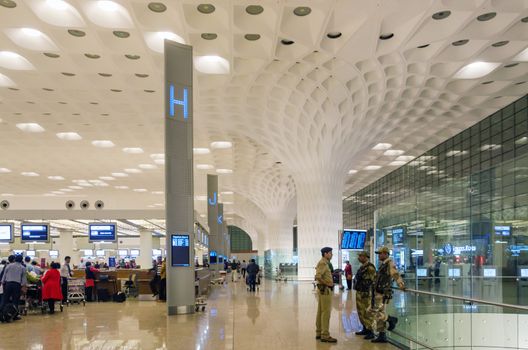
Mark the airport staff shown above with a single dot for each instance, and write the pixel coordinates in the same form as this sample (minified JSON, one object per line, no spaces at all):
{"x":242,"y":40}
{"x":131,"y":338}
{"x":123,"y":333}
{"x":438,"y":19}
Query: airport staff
{"x":325,"y":285}
{"x":65,"y":273}
{"x":13,"y":280}
{"x":362,"y":285}
{"x":382,"y":293}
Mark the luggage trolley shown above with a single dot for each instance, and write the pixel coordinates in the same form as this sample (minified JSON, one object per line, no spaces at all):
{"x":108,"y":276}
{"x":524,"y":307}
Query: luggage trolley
{"x":200,"y":301}
{"x":76,"y":291}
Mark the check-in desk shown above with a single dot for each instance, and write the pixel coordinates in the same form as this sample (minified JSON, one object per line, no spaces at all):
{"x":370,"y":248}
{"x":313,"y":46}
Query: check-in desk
{"x":118,"y":277}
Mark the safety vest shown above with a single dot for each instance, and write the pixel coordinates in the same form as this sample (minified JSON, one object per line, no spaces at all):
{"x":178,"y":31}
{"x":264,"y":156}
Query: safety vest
{"x":383,"y":281}
{"x":361,"y":283}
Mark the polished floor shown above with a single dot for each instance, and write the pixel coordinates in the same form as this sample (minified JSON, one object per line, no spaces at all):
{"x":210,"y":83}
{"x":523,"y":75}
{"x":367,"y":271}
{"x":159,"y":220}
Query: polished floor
{"x":279,"y":316}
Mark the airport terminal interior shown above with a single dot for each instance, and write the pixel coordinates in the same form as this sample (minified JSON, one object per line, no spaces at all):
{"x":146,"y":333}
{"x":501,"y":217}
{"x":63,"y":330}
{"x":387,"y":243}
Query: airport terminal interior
{"x":188,"y":174}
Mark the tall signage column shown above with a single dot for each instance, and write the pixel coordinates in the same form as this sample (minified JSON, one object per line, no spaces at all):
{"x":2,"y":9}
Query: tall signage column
{"x":212,"y":220}
{"x":179,"y":177}
{"x":220,"y":223}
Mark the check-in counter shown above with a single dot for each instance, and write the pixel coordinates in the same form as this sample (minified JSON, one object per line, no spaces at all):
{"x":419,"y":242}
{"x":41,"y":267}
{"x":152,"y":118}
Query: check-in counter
{"x":118,"y":277}
{"x":202,"y":278}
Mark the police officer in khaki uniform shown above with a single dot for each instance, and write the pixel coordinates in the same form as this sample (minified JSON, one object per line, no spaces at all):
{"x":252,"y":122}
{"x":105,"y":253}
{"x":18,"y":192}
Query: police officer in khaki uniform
{"x":363,"y":281}
{"x":382,"y":293}
{"x":325,"y":285}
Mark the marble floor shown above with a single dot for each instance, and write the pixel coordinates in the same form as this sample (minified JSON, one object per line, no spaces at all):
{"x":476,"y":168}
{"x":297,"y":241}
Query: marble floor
{"x":279,"y":316}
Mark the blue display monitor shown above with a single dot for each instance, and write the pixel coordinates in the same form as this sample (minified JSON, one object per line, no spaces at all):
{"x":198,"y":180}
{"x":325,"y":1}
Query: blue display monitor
{"x":7,"y":233}
{"x":456,"y":272}
{"x":180,"y":250}
{"x":122,"y":252}
{"x":353,"y":239}
{"x":134,"y":253}
{"x":156,"y":252}
{"x":397,"y":235}
{"x":18,"y":252}
{"x":489,"y":272}
{"x":100,"y":253}
{"x":88,"y":252}
{"x":523,"y":272}
{"x":30,"y":253}
{"x":504,"y":231}
{"x":54,"y":254}
{"x":34,"y":232}
{"x":212,"y":257}
{"x":98,"y":232}
{"x":221,"y":260}
{"x":421,"y":272}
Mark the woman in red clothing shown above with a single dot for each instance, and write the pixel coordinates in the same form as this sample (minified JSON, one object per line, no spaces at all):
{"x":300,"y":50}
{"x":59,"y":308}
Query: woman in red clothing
{"x":348,"y":274}
{"x":51,"y":290}
{"x":90,"y":280}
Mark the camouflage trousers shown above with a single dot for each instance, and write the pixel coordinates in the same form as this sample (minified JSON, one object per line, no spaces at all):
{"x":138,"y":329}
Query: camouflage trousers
{"x":379,"y":313}
{"x":362,"y":304}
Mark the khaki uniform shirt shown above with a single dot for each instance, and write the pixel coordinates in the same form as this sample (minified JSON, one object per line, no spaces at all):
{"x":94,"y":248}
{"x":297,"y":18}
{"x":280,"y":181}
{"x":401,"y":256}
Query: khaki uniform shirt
{"x":322,"y":273}
{"x":394,"y":272}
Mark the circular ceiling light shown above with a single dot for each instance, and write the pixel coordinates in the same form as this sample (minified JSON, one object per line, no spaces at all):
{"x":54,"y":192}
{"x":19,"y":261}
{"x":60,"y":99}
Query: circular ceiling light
{"x":287,"y":42}
{"x":334,"y":35}
{"x":487,"y":82}
{"x":209,"y":36}
{"x":51,"y":55}
{"x":47,"y":89}
{"x":76,"y":32}
{"x":254,"y":9}
{"x":116,"y":90}
{"x":106,"y":75}
{"x":524,"y":20}
{"x":423,"y":46}
{"x":441,"y":15}
{"x":92,"y":56}
{"x":149,"y":91}
{"x":139,"y":75}
{"x":206,"y":8}
{"x":8,"y":3}
{"x":103,"y":143}
{"x":460,"y":42}
{"x":520,"y":83}
{"x":302,"y":11}
{"x":132,"y":57}
{"x":486,"y":16}
{"x":121,"y":34}
{"x":500,"y":43}
{"x":157,"y":7}
{"x":511,"y":65}
{"x":386,"y":36}
{"x":252,"y":37}
{"x":56,"y":178}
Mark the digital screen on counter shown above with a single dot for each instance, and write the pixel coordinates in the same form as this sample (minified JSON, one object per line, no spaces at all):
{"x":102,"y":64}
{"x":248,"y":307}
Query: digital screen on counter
{"x":30,"y":253}
{"x":421,"y":272}
{"x":102,"y":232}
{"x":122,"y":252}
{"x":454,"y":272}
{"x":100,"y":253}
{"x":6,"y":233}
{"x":212,"y":257}
{"x":54,"y":254}
{"x":353,"y":239}
{"x":34,"y":232}
{"x":134,"y":253}
{"x":490,"y":272}
{"x":88,"y":252}
{"x":156,"y":252}
{"x":180,"y":250}
{"x":524,"y":272}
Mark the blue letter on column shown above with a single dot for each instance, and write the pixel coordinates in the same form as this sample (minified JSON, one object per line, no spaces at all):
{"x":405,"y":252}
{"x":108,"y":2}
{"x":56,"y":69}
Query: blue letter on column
{"x":213,"y":201}
{"x":173,"y":101}
{"x":220,"y":219}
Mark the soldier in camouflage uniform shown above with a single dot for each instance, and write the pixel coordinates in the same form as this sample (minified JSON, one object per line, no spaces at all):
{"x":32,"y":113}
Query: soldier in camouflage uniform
{"x":363,"y":281}
{"x":382,"y":293}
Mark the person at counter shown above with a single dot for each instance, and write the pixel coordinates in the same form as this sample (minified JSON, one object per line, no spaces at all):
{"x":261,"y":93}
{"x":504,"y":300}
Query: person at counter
{"x":155,"y":281}
{"x":90,"y":272}
{"x":13,"y":280}
{"x":51,"y":289}
{"x":65,"y":273}
{"x":163,"y":281}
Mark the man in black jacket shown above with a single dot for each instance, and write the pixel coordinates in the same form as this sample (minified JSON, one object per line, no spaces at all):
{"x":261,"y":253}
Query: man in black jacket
{"x":252,"y":271}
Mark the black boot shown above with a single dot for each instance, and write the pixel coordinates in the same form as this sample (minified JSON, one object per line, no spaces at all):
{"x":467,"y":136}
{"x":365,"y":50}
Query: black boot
{"x":382,"y":338}
{"x":364,"y":331}
{"x":392,"y":322}
{"x":370,"y":335}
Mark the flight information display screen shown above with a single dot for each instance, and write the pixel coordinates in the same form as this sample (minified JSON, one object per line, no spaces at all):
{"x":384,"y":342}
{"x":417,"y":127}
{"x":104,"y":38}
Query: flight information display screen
{"x":490,"y":272}
{"x":34,"y":232}
{"x":353,"y":239}
{"x":180,"y":250}
{"x":421,"y":272}
{"x":212,"y":257}
{"x":6,"y":233}
{"x":102,"y":232}
{"x":504,"y":231}
{"x":397,"y":235}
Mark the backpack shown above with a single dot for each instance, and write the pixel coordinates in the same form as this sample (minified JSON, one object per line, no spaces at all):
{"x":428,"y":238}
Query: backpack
{"x":8,"y":313}
{"x":119,"y":297}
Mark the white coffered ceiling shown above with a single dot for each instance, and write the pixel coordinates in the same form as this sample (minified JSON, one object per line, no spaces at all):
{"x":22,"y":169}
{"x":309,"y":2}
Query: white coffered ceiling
{"x":302,"y":85}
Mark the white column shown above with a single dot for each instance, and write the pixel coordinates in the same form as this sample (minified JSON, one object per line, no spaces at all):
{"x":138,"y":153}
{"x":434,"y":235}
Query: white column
{"x":145,"y":246}
{"x":280,"y":232}
{"x":319,"y":218}
{"x":66,"y":245}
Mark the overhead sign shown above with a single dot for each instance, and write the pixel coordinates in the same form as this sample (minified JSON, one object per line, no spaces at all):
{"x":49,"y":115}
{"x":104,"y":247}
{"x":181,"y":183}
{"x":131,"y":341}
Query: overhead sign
{"x":353,"y":239}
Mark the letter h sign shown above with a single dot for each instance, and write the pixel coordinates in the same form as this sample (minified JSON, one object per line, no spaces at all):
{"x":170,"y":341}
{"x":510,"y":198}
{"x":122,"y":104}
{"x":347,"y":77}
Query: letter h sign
{"x":173,"y":101}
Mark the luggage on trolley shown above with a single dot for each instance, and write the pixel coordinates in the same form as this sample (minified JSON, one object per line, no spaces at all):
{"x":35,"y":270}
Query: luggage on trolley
{"x":76,"y":291}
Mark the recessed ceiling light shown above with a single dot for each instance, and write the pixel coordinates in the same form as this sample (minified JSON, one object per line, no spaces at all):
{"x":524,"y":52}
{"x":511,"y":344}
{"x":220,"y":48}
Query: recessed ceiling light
{"x":109,"y":6}
{"x":133,"y":150}
{"x":398,"y":163}
{"x":4,"y":170}
{"x":121,"y":187}
{"x":140,"y":190}
{"x":209,"y":36}
{"x":103,"y":143}
{"x":302,"y":11}
{"x":140,"y":75}
{"x":524,"y":20}
{"x":393,"y":152}
{"x":226,"y":192}
{"x":107,"y":178}
{"x":198,"y":150}
{"x":352,"y":171}
{"x":287,"y":42}
{"x":386,"y":36}
{"x":206,"y":8}
{"x":147,"y":166}
{"x":204,"y":166}
{"x":441,"y":15}
{"x":132,"y":57}
{"x":76,"y":32}
{"x":149,"y":91}
{"x":476,"y":70}
{"x":10,"y":4}
{"x":157,"y":192}
{"x":29,"y":173}
{"x":252,"y":37}
{"x":423,"y":46}
{"x":382,"y":146}
{"x":373,"y":167}
{"x":334,"y":35}
{"x":92,"y":56}
{"x":106,"y":75}
{"x":523,"y":140}
{"x":486,"y":16}
{"x":121,"y":34}
{"x":157,"y":156}
{"x":254,"y":9}
{"x":511,"y":65}
{"x":487,"y":82}
{"x":119,"y":175}
{"x":51,"y":55}
{"x":69,"y":136}
{"x":56,"y":178}
{"x":500,"y":43}
{"x":68,"y":74}
{"x":157,"y":7}
{"x":30,"y":127}
{"x":460,"y":42}
{"x":132,"y":171}
{"x":405,"y":158}
{"x":224,"y":171}
{"x":221,"y":144}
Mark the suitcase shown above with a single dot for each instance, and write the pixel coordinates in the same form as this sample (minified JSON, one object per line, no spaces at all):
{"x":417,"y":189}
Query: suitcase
{"x":103,"y":295}
{"x":8,"y":313}
{"x":119,"y":297}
